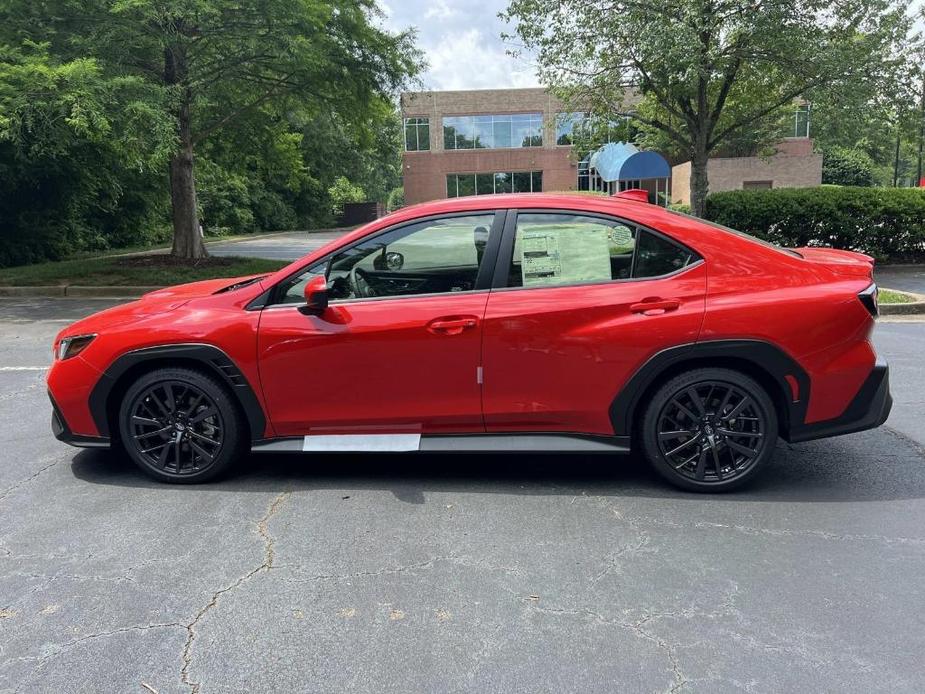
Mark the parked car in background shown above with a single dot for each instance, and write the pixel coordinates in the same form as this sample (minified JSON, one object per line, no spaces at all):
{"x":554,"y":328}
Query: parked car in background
{"x":547,"y":323}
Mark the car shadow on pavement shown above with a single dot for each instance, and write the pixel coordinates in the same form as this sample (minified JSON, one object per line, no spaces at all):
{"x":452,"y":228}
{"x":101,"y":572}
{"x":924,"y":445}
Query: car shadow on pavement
{"x":872,"y":466}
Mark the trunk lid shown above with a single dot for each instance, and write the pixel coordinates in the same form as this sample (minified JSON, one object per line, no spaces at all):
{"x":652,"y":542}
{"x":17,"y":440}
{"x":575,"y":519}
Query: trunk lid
{"x":840,"y":262}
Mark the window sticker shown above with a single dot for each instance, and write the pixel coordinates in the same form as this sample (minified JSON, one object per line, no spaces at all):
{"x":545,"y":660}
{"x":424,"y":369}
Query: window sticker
{"x":564,"y":254}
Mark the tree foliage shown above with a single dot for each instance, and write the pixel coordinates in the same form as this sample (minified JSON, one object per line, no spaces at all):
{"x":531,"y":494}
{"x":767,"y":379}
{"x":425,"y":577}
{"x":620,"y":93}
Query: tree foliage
{"x":269,"y":100}
{"x":702,"y":73}
{"x":847,"y":167}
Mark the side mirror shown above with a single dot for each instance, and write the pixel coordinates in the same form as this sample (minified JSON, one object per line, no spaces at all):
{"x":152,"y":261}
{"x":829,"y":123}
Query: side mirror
{"x":316,"y":296}
{"x":390,"y":261}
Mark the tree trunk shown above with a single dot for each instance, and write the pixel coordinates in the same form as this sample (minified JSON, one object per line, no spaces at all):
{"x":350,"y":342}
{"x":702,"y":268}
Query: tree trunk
{"x":700,"y":186}
{"x":187,"y":239}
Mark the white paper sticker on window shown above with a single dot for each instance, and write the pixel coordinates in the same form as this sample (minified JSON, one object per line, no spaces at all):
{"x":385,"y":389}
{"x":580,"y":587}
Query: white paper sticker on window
{"x":564,"y":255}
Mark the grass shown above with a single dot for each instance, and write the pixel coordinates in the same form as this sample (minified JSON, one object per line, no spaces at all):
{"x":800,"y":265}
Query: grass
{"x":888,"y":296}
{"x":140,"y":270}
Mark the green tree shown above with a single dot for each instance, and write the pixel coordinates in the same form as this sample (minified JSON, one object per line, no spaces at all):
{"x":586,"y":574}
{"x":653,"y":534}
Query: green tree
{"x":80,"y":156}
{"x":847,"y":167}
{"x":342,"y":192}
{"x":213,"y":63}
{"x":702,"y":72}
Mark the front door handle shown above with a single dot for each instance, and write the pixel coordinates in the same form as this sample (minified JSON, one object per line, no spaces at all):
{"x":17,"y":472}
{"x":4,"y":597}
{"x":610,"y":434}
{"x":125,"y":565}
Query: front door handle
{"x":452,"y":326}
{"x":655,"y":306}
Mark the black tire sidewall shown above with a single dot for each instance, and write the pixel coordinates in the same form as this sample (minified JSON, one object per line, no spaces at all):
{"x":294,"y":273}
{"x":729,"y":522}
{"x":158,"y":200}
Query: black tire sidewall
{"x":232,"y":445}
{"x":649,"y":427}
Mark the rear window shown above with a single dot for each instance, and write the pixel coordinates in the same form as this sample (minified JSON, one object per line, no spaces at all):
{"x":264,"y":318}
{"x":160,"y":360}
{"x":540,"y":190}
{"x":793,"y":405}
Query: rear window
{"x":738,"y":233}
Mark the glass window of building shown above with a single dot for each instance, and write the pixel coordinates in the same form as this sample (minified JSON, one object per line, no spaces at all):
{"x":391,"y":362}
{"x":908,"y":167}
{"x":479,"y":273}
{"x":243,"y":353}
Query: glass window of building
{"x":493,"y":131}
{"x":568,"y":125}
{"x":801,"y":121}
{"x":417,"y":134}
{"x":460,"y":184}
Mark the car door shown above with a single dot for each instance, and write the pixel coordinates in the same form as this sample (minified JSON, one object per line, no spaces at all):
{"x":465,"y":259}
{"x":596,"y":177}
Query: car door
{"x":580,"y":302}
{"x":397,"y":349}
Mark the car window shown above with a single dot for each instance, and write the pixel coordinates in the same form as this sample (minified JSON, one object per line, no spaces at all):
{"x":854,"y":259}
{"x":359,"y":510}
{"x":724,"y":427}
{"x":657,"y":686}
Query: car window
{"x":656,"y":256}
{"x":293,"y":289}
{"x":430,"y":257}
{"x":557,"y":249}
{"x":554,"y":249}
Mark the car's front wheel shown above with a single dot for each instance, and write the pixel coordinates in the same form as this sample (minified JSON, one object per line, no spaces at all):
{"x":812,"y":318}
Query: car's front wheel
{"x":180,"y":425}
{"x":709,"y":429}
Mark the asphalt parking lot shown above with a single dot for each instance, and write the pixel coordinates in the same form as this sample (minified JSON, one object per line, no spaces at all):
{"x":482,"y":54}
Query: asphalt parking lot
{"x":457,"y":573}
{"x":285,"y":246}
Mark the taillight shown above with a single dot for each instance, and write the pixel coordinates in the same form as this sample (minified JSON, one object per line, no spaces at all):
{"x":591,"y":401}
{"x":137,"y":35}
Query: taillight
{"x":869,"y":298}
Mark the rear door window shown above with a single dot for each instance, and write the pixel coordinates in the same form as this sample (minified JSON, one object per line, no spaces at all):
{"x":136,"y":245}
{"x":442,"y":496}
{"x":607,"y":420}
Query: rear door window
{"x":556,"y":249}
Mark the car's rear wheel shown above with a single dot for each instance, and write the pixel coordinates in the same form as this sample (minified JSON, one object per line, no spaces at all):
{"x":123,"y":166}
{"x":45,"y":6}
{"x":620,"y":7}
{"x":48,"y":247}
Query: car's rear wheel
{"x":180,"y":425}
{"x":709,"y":430}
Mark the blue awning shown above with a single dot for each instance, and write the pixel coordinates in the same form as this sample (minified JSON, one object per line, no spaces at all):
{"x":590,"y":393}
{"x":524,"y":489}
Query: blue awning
{"x":620,"y":161}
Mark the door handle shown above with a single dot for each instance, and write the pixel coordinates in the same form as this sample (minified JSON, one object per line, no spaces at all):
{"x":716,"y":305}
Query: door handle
{"x":452,"y":326}
{"x":655,"y":306}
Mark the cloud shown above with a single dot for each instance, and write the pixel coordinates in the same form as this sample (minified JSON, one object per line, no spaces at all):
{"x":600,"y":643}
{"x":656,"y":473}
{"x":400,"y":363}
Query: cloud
{"x":461,"y":42}
{"x":441,"y":11}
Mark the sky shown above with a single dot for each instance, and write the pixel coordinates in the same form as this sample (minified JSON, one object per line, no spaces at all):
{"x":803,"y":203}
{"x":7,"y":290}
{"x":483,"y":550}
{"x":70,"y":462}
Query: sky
{"x":461,"y":40}
{"x":462,"y":43}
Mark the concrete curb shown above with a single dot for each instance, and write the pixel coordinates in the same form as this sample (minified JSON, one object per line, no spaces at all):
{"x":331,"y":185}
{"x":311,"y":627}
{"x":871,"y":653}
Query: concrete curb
{"x":913,"y":308}
{"x":76,"y":292}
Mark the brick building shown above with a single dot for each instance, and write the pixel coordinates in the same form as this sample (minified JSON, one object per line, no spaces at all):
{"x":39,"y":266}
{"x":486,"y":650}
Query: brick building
{"x":487,"y":141}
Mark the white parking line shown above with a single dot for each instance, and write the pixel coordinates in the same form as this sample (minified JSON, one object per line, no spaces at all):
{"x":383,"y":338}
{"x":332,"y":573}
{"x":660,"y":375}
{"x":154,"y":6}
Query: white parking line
{"x":23,"y":368}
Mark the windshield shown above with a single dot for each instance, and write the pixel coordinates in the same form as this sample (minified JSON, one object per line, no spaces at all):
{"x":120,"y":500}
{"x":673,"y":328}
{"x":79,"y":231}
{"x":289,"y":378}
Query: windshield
{"x":741,"y":234}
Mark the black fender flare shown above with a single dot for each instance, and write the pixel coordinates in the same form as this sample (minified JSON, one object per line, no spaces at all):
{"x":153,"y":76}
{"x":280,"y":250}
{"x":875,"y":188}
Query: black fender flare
{"x":763,"y":357}
{"x":209,"y":357}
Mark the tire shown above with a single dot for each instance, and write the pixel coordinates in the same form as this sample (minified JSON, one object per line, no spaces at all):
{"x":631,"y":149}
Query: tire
{"x":715,"y":443}
{"x":181,"y":426}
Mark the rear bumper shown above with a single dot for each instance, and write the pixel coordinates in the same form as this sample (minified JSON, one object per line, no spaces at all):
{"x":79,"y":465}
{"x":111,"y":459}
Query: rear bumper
{"x":868,"y":410}
{"x":63,"y":433}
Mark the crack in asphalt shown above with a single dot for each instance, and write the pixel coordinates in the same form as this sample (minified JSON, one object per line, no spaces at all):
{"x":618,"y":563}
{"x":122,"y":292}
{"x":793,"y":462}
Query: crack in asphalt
{"x":424,"y":564}
{"x":638,"y":523}
{"x":9,"y":490}
{"x":919,"y":448}
{"x":266,"y":565}
{"x":58,"y":650}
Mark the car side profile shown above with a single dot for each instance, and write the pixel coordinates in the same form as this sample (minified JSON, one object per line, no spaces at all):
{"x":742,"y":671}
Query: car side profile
{"x":527,"y":322}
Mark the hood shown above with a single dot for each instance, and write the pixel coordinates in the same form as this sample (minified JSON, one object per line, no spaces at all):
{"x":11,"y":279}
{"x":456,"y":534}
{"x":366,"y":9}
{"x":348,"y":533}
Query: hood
{"x":840,"y":262}
{"x":153,"y":303}
{"x":191,"y":290}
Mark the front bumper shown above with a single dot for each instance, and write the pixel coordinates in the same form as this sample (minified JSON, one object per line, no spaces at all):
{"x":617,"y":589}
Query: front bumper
{"x":868,"y":410}
{"x":63,"y":433}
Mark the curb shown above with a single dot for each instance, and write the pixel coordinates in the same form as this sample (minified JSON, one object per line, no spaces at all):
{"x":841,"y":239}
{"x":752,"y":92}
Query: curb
{"x":76,"y":292}
{"x":913,"y":308}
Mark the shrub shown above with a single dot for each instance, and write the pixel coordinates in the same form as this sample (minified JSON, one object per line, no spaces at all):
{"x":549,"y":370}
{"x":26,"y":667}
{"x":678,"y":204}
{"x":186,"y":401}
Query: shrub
{"x":342,"y":192}
{"x":887,"y":223}
{"x":847,"y":167}
{"x":396,"y":199}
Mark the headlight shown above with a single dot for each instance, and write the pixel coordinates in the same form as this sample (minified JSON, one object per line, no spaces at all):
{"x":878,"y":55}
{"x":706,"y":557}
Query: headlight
{"x":72,"y":346}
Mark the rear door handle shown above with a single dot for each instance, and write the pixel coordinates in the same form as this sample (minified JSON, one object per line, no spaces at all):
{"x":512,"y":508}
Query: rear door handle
{"x":655,"y":306}
{"x":452,"y":326}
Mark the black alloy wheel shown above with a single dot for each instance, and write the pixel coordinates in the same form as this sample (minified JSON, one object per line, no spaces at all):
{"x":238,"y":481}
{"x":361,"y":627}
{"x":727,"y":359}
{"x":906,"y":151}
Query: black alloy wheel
{"x":180,"y":425}
{"x":710,"y":429}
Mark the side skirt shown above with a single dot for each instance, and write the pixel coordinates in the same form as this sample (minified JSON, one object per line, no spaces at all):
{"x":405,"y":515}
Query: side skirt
{"x":469,"y":443}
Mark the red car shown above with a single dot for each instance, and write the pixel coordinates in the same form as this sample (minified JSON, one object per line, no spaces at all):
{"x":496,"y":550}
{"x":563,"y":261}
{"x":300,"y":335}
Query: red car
{"x":544,"y":323}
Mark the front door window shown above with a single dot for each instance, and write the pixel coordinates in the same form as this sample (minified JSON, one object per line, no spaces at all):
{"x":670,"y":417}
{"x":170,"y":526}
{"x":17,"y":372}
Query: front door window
{"x":430,"y":257}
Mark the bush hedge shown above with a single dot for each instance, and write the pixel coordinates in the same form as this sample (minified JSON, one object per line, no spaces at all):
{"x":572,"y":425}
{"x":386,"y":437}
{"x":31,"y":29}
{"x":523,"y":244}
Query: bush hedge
{"x":887,"y":223}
